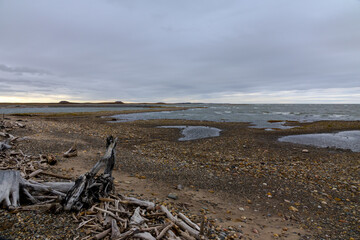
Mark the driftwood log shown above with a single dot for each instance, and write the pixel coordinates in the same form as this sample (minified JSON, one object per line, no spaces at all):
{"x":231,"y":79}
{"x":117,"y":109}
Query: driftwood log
{"x":88,"y":188}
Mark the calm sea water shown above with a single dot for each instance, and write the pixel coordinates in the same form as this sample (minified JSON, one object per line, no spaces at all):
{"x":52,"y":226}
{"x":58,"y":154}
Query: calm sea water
{"x":260,"y":114}
{"x":257,"y":114}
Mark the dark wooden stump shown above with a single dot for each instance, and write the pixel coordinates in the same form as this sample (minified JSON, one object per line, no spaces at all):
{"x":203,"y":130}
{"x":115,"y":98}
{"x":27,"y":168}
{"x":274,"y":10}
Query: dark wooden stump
{"x":88,"y":187}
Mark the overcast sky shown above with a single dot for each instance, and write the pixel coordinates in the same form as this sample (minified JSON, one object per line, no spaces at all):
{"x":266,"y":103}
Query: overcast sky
{"x":269,"y":51}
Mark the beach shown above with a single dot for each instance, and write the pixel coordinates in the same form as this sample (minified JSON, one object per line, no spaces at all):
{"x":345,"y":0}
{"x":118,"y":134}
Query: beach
{"x":245,"y":181}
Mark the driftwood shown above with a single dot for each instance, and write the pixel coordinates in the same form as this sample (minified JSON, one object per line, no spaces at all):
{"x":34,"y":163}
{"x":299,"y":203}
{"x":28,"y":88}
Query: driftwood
{"x":72,"y":152}
{"x":171,"y":235}
{"x":35,"y":173}
{"x":55,"y":175}
{"x":60,"y":186}
{"x":165,"y":230}
{"x":189,"y":222}
{"x":102,"y":234}
{"x":136,"y":224}
{"x":12,"y":184}
{"x":180,"y":223}
{"x":145,"y":236}
{"x":131,"y":200}
{"x":4,"y":145}
{"x":115,"y":231}
{"x":7,"y":143}
{"x":88,"y":188}
{"x":137,"y":219}
{"x":10,"y":188}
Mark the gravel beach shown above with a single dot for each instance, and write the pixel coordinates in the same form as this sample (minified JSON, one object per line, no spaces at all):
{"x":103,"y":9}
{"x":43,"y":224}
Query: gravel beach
{"x":247,"y":183}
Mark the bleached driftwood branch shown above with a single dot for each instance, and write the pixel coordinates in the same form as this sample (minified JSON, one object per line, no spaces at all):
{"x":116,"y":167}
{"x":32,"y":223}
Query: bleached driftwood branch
{"x":180,"y":223}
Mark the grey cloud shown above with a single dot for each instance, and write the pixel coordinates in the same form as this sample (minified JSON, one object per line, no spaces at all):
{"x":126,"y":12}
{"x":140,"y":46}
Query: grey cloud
{"x":22,"y":70}
{"x":144,"y":50}
{"x":22,"y":83}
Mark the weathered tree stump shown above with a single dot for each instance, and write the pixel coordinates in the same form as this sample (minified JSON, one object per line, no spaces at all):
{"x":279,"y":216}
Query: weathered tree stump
{"x":88,"y":188}
{"x":12,"y":184}
{"x":10,"y":188}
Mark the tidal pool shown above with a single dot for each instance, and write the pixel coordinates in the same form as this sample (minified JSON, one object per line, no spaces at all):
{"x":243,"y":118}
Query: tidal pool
{"x":196,"y":132}
{"x":344,"y":140}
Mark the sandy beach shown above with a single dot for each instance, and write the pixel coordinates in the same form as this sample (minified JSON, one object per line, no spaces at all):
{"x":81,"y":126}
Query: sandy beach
{"x":246,"y":182}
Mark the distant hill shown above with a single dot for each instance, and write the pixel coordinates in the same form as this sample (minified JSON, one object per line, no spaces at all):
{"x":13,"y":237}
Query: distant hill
{"x":67,"y":102}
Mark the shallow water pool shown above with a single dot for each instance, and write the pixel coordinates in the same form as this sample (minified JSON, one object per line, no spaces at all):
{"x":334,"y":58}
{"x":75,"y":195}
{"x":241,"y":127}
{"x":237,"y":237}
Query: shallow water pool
{"x":196,"y":132}
{"x":344,"y":140}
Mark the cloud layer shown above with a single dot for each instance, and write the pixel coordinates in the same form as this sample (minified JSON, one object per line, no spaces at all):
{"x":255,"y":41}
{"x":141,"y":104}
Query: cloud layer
{"x":208,"y":51}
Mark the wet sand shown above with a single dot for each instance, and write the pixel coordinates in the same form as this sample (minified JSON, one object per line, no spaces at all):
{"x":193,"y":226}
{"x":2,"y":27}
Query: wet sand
{"x":244,"y":180}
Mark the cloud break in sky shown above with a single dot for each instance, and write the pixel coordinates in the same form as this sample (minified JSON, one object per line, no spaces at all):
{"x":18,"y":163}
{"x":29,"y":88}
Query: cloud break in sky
{"x":269,"y":51}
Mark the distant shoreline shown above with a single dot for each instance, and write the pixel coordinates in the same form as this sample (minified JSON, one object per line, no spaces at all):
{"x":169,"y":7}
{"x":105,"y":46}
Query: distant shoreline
{"x":12,"y":105}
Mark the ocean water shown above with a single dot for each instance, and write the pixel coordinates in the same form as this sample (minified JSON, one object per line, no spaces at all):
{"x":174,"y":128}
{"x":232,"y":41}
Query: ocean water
{"x":256,"y":114}
{"x":263,"y":115}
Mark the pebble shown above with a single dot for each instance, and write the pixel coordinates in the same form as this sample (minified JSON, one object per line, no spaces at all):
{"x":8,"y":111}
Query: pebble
{"x":222,"y":235}
{"x":294,"y":209}
{"x":173,"y":196}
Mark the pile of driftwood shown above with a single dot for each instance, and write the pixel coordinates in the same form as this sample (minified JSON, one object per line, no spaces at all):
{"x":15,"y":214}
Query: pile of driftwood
{"x":121,"y":217}
{"x":91,"y":199}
